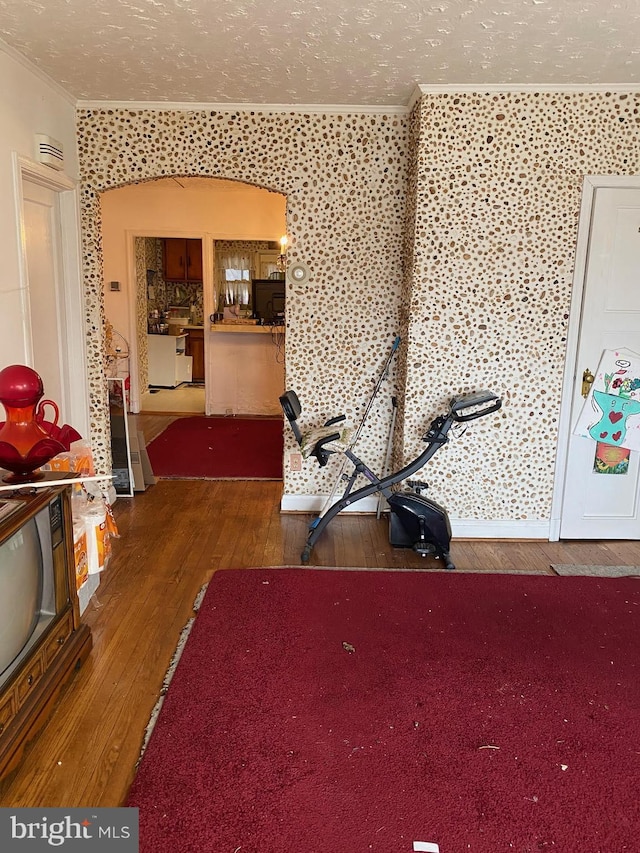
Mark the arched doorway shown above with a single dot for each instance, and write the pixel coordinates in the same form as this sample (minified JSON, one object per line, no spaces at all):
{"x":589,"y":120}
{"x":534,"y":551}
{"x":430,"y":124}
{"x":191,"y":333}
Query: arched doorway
{"x":210,"y":210}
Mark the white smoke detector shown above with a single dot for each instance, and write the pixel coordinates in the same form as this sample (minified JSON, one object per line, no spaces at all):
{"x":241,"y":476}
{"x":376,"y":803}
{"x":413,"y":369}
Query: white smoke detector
{"x":49,"y":151}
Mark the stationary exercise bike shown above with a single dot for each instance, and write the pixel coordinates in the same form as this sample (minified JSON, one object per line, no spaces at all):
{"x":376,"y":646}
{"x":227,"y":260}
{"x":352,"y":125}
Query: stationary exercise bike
{"x":415,"y":521}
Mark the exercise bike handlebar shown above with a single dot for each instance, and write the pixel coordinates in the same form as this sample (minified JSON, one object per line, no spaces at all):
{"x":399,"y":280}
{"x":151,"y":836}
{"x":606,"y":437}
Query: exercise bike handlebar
{"x":472,"y":406}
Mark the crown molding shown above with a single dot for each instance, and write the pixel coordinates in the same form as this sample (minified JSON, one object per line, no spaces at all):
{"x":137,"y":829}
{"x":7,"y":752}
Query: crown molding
{"x":524,"y":88}
{"x":36,"y":72}
{"x":302,"y":109}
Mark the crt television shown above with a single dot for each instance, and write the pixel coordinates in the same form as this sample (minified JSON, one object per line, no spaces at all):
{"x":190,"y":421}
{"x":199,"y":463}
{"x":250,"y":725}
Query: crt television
{"x":268,"y":300}
{"x":27,"y":579}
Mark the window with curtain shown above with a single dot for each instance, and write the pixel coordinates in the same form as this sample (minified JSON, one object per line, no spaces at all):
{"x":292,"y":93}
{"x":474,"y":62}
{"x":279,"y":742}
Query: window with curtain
{"x":234,"y":278}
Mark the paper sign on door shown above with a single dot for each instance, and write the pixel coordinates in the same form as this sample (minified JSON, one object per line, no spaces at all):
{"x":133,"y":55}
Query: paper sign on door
{"x":611,"y":412}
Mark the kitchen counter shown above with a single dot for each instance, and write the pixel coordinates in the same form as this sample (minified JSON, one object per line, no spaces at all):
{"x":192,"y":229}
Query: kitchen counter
{"x":183,"y":328}
{"x":244,"y":329}
{"x":246,"y":369}
{"x":244,"y":365}
{"x":239,"y":328}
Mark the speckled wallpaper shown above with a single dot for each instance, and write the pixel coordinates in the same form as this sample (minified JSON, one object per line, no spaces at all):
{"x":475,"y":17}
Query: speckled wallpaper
{"x":344,"y":177}
{"x":454,"y":226}
{"x":498,"y":181}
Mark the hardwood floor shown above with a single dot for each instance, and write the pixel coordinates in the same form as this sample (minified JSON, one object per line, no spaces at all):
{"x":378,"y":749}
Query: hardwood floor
{"x":172,"y":538}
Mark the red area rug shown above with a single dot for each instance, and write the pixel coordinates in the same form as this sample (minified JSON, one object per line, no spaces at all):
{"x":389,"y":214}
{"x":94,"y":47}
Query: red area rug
{"x":219,"y":448}
{"x":332,"y":711}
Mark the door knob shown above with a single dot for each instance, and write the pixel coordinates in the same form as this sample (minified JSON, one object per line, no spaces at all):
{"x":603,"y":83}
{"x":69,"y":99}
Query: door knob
{"x":587,"y":382}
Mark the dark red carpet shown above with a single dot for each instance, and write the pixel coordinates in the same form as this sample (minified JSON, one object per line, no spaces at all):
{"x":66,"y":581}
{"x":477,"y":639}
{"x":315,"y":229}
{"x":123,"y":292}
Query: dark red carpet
{"x":217,"y":448}
{"x":320,"y":711}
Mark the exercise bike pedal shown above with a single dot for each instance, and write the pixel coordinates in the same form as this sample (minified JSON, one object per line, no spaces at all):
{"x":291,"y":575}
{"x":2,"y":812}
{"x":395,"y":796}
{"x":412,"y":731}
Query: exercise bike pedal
{"x":427,"y":550}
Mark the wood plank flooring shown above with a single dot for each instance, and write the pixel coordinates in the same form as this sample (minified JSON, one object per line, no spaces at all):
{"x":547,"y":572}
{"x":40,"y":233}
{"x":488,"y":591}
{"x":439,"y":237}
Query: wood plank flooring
{"x":173,"y":537}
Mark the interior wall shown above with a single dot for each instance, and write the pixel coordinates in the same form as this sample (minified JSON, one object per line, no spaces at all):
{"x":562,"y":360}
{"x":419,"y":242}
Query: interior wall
{"x":28,"y":105}
{"x":494,"y":191}
{"x":498,"y":180}
{"x":344,"y":179}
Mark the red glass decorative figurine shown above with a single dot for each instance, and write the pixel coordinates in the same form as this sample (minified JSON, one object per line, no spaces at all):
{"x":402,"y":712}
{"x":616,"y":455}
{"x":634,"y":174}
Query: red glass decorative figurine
{"x":24,"y":444}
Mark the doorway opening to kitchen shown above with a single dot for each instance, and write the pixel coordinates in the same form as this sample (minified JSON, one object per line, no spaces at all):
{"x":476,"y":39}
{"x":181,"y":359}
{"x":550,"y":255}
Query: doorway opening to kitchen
{"x":178,"y":252}
{"x":211,"y":219}
{"x":245,"y":368}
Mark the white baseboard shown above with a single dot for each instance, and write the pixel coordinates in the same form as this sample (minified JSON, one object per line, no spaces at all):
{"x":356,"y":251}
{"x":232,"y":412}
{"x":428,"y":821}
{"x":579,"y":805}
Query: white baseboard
{"x":461,"y":528}
{"x":474,"y":528}
{"x":314,"y":503}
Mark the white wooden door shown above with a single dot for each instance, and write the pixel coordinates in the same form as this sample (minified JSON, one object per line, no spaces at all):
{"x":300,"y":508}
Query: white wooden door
{"x":42,"y":240}
{"x":50,"y":273}
{"x":596,"y":505}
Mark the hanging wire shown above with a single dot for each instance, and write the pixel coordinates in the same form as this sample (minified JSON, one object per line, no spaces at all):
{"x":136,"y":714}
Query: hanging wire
{"x":277,"y":337}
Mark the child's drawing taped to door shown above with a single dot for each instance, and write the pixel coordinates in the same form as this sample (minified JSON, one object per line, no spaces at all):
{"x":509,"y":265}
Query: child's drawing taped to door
{"x":611,"y":412}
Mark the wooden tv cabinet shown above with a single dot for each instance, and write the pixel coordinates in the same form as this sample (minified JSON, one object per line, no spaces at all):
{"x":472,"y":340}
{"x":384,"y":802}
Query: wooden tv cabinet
{"x":28,"y":694}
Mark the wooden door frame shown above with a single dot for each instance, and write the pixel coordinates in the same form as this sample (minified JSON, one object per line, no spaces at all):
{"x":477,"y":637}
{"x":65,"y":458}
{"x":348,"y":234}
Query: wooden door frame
{"x":135,"y":390}
{"x":591,"y":184}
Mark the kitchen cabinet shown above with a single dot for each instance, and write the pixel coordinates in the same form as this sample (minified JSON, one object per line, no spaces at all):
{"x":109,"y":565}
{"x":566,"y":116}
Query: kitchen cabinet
{"x":169,"y":365}
{"x":182,"y":259}
{"x":195,"y":348}
{"x":59,"y":643}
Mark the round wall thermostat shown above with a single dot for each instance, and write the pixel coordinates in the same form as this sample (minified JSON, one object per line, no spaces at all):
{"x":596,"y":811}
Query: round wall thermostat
{"x":298,"y":273}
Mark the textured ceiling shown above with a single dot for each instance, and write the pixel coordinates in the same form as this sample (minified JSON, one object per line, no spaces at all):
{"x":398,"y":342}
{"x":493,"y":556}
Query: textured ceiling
{"x":310,"y":52}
